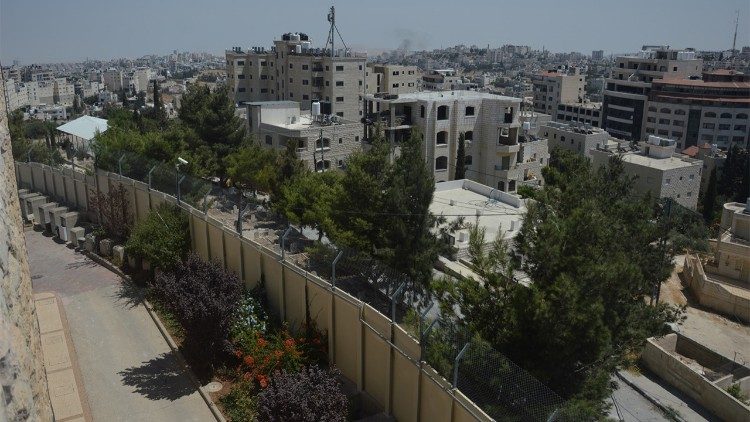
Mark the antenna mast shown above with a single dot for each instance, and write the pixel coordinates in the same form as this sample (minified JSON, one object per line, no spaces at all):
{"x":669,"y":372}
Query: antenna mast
{"x":736,"y":24}
{"x":333,"y":31}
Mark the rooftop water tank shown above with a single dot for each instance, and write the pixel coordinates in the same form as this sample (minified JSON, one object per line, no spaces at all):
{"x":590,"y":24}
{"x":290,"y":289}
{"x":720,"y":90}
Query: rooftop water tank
{"x":315,"y":109}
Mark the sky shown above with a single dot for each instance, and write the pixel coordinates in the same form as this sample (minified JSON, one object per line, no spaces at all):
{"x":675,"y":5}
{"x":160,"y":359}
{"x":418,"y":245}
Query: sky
{"x":48,"y":31}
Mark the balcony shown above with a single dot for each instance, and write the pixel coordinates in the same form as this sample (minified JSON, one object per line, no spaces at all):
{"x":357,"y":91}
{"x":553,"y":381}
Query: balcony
{"x":384,"y":117}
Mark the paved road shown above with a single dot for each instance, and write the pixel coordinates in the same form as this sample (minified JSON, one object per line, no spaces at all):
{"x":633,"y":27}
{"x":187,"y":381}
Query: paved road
{"x":129,"y":373}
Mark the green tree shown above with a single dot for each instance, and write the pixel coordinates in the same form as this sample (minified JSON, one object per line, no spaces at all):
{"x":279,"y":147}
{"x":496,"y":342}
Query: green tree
{"x":250,"y":169}
{"x":288,"y":167}
{"x":159,"y":113}
{"x":461,"y":158}
{"x":308,"y":199}
{"x":162,"y":238}
{"x":592,"y":250}
{"x":734,"y":184}
{"x":709,"y":199}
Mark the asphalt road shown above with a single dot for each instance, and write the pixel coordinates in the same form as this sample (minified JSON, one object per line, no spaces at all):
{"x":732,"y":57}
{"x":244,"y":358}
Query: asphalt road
{"x":128,"y":370}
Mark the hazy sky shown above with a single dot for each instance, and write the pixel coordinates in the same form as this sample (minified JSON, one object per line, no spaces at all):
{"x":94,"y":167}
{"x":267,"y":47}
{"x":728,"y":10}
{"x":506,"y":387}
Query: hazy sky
{"x":64,"y":30}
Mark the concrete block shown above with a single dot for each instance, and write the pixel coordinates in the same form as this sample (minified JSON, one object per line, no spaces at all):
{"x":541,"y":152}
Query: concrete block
{"x":105,"y":247}
{"x":118,"y":255}
{"x":77,"y":235}
{"x":32,"y":205}
{"x":41,"y":215}
{"x":90,"y":243}
{"x":54,"y":219}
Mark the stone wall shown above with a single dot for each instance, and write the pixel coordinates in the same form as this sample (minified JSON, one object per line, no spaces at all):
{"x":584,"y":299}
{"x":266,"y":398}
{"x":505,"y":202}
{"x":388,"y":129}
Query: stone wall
{"x":24,"y":392}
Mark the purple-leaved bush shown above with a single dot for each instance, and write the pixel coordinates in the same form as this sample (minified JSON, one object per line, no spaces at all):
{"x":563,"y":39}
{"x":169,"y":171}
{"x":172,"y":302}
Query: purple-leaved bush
{"x":312,"y":394}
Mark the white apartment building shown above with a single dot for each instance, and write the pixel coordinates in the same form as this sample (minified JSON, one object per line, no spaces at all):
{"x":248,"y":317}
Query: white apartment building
{"x":294,"y":71}
{"x":40,"y":92}
{"x":322,"y":141}
{"x":576,"y":137}
{"x":659,"y":170}
{"x":392,"y":79}
{"x":626,"y":90}
{"x":16,"y":94}
{"x":63,"y":92}
{"x":712,"y":110}
{"x":441,"y":80}
{"x":552,"y":88}
{"x":497,"y":153}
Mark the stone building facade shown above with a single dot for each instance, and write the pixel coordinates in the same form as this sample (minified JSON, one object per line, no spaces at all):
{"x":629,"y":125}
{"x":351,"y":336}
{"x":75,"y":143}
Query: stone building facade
{"x":23,"y":384}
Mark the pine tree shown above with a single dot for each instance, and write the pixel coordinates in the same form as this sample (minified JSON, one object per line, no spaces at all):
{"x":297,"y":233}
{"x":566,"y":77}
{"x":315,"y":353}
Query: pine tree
{"x":709,"y":198}
{"x":461,"y":157}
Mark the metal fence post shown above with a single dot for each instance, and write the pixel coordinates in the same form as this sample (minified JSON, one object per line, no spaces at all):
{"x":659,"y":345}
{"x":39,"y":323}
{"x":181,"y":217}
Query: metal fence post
{"x":394,"y":298}
{"x":423,"y":315}
{"x":423,"y":339}
{"x":119,"y":163}
{"x":149,"y":176}
{"x":283,"y":242}
{"x":333,"y":269}
{"x":179,"y":182}
{"x":457,"y":362}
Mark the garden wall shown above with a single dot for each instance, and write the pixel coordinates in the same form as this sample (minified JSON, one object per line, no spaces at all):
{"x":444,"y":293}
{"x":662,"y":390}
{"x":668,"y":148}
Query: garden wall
{"x":367,"y":347}
{"x":729,"y":300}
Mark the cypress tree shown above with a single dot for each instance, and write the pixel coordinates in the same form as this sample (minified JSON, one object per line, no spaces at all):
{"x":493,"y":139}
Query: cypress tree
{"x":709,"y":198}
{"x":461,"y":157}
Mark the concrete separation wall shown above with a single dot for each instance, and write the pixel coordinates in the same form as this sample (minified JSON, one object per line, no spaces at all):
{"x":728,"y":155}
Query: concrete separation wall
{"x":371,"y":350}
{"x":715,"y":294}
{"x":700,"y":373}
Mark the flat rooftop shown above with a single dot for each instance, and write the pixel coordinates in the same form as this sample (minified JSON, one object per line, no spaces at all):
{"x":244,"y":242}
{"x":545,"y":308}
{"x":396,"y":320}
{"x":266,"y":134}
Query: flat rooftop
{"x":500,"y":211}
{"x":305,"y":121}
{"x":445,"y":96}
{"x":670,"y":163}
{"x":575,"y":128}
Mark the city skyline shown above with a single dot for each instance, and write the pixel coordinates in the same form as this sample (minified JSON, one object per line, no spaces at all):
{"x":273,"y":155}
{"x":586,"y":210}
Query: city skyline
{"x":164,"y":27}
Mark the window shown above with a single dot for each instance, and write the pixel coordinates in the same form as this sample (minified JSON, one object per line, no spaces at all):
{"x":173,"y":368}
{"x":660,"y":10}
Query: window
{"x":305,"y":82}
{"x":240,"y":76}
{"x":305,"y":97}
{"x":305,"y":67}
{"x":562,"y":139}
{"x":264,"y":77}
{"x":469,"y":111}
{"x":264,"y":90}
{"x":651,"y":119}
{"x":468,"y":160}
{"x":707,"y":138}
{"x":339,"y":68}
{"x":269,"y":140}
{"x":469,"y":135}
{"x":328,"y":83}
{"x":421,"y":111}
{"x":339,"y":83}
{"x":742,"y":116}
{"x":340,"y":113}
{"x":241,"y":89}
{"x":726,"y":116}
{"x":668,"y":182}
{"x":339,"y":99}
{"x":662,"y":132}
{"x":725,"y":126}
{"x":324,"y":143}
{"x":442,"y":138}
{"x":240,"y":62}
{"x":722,"y":139}
{"x":739,"y":139}
{"x":341,"y":140}
{"x":441,"y":163}
{"x":709,"y":114}
{"x":663,"y":121}
{"x":665,"y":111}
{"x":678,"y":122}
{"x":709,"y":126}
{"x":442,"y":113}
{"x":677,"y":134}
{"x":740,"y":127}
{"x":679,"y":112}
{"x":291,"y":81}
{"x":322,"y":165}
{"x":652,"y":108}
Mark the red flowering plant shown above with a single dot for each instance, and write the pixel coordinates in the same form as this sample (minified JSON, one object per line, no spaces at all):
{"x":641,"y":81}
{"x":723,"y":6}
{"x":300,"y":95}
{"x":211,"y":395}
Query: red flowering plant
{"x":262,"y":355}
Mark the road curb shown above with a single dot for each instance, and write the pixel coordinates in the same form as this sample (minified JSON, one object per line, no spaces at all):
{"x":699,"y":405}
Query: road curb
{"x":167,"y":337}
{"x":650,"y":398}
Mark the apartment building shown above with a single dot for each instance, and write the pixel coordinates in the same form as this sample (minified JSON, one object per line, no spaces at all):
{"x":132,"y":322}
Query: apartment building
{"x":579,"y":138}
{"x":498,"y":154}
{"x":711,"y":110}
{"x":40,"y":92}
{"x":586,"y":112}
{"x":552,"y":88}
{"x":113,"y":80}
{"x":659,"y":170}
{"x":294,"y":71}
{"x":441,"y":80}
{"x":322,"y":141}
{"x":712,"y":158}
{"x":392,"y":79}
{"x":16,"y":94}
{"x":627,"y":89}
{"x":597,"y":55}
{"x":63,"y":92}
{"x":33,"y":93}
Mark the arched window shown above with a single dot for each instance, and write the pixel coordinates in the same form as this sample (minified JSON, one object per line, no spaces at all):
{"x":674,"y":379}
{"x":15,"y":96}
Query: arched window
{"x":467,"y":160}
{"x":442,"y":113}
{"x":665,"y":111}
{"x":324,"y":143}
{"x":726,"y":115}
{"x":742,"y":116}
{"x":709,"y":114}
{"x":441,"y":163}
{"x":469,"y":135}
{"x":652,"y":108}
{"x":469,"y":111}
{"x":679,"y":112}
{"x":442,"y":137}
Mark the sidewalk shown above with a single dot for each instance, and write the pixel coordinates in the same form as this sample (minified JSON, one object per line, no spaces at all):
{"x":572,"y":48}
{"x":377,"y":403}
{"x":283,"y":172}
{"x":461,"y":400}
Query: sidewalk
{"x":63,"y":377}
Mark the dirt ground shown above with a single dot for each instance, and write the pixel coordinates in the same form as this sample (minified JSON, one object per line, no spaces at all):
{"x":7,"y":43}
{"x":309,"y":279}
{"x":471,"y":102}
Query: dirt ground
{"x":722,"y":334}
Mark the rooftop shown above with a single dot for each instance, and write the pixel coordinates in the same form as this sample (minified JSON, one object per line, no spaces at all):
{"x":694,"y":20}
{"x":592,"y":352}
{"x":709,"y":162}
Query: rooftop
{"x":444,"y":96}
{"x":575,"y":127}
{"x":669,"y":163}
{"x":494,"y":210}
{"x":84,"y":127}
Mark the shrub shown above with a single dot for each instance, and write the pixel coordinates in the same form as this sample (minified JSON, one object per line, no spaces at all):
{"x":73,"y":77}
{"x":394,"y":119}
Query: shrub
{"x":113,"y":208}
{"x":240,"y":404}
{"x":203,"y":296}
{"x":250,"y":319}
{"x":162,"y":238}
{"x":312,"y":394}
